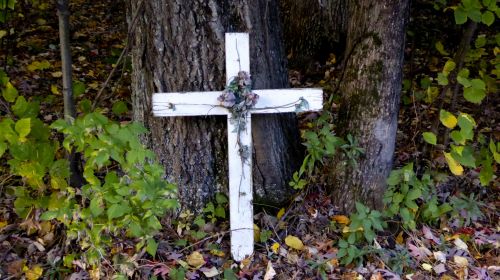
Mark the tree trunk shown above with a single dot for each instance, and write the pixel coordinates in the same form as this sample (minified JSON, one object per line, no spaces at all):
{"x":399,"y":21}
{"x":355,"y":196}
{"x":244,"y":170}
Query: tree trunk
{"x":370,"y":87}
{"x":74,"y":158}
{"x":179,"y":46}
{"x":313,"y":29}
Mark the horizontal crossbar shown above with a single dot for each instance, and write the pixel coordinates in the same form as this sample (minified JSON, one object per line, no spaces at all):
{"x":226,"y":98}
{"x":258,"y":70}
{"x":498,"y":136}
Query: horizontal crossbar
{"x":206,"y":103}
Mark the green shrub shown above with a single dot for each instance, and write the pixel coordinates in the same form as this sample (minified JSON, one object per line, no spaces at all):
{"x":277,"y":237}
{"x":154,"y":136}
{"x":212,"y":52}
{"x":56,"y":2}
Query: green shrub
{"x":124,"y":192}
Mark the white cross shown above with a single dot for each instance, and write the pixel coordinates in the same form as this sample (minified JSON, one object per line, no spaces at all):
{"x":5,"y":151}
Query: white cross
{"x":240,"y":170}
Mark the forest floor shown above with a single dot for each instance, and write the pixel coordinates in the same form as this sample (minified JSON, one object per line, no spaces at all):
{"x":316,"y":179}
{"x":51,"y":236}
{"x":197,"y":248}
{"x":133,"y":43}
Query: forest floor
{"x":445,"y":250}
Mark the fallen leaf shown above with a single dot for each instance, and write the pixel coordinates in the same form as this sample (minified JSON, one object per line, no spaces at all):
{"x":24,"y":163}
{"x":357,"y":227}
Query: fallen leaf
{"x":429,"y":235}
{"x":313,"y":212}
{"x":57,"y":74}
{"x":217,"y":253}
{"x":440,"y":256}
{"x":15,"y":267}
{"x":427,"y":266}
{"x":399,"y":238}
{"x":275,"y":247}
{"x":81,"y":275}
{"x":341,"y":219}
{"x":294,"y":242}
{"x":54,"y":90}
{"x":270,"y":272}
{"x":292,"y":258}
{"x":460,"y":261}
{"x":256,"y":232}
{"x":312,"y":250}
{"x":245,"y":262}
{"x":439,"y":269}
{"x":418,"y":252}
{"x":39,"y":246}
{"x":195,"y":259}
{"x":3,"y":224}
{"x":94,"y":85}
{"x":461,"y":245}
{"x":33,"y":273}
{"x":280,"y":213}
{"x":210,"y":272}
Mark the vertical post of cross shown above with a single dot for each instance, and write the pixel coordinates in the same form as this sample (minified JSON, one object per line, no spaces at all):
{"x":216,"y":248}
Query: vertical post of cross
{"x":240,"y":167}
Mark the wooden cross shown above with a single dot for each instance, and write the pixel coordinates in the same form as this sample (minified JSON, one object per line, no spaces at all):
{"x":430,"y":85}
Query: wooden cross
{"x":240,"y":169}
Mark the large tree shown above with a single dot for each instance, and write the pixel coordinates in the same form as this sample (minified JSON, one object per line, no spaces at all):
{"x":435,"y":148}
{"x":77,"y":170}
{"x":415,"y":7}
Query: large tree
{"x":179,"y":46}
{"x":370,"y":87}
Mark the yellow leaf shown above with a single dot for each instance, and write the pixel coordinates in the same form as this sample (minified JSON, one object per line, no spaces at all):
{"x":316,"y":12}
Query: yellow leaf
{"x":427,"y":266}
{"x":280,"y":213}
{"x":256,"y":232}
{"x":447,"y":119}
{"x":399,"y":239}
{"x":294,"y":242}
{"x":246,"y":262}
{"x":94,"y":85}
{"x":39,"y":65}
{"x":195,"y":259}
{"x":347,"y":229}
{"x":2,"y":33}
{"x":341,"y":219}
{"x":54,"y":89}
{"x":57,"y":74}
{"x":95,"y":274}
{"x":217,"y":253}
{"x":454,"y":166}
{"x":3,"y":224}
{"x":33,"y":273}
{"x":275,"y":247}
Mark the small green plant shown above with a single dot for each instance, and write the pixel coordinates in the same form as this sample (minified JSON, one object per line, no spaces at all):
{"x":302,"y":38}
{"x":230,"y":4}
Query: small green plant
{"x":364,"y":223}
{"x":321,"y":266}
{"x":212,"y":212}
{"x":433,"y":209}
{"x":397,"y":259}
{"x":466,"y":209}
{"x":402,"y":194}
{"x":194,"y":226}
{"x":124,"y":193}
{"x":349,"y":252}
{"x":322,"y":143}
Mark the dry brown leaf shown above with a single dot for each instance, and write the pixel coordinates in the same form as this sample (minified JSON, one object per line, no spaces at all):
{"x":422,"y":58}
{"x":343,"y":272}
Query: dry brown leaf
{"x":270,"y":272}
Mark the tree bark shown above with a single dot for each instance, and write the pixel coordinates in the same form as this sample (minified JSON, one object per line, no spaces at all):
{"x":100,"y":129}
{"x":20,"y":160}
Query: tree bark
{"x":179,"y":46}
{"x":313,"y":29}
{"x":370,"y":87}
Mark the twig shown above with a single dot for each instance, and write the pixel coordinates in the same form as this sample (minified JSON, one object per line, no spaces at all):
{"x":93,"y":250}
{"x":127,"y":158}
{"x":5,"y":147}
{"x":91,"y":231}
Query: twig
{"x":120,"y":58}
{"x":104,"y":86}
{"x":203,"y":240}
